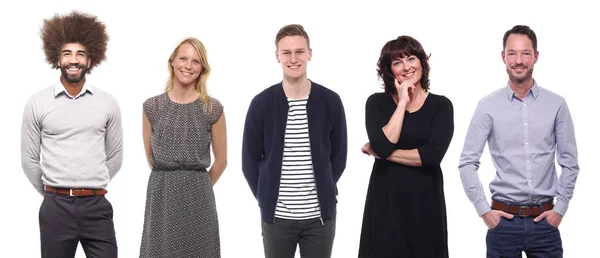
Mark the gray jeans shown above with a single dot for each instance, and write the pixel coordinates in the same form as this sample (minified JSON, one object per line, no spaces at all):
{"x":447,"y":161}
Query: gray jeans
{"x":315,"y":239}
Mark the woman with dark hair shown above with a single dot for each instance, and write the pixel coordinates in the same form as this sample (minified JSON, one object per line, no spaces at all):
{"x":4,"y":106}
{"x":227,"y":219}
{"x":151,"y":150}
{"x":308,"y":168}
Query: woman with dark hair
{"x":409,"y":131}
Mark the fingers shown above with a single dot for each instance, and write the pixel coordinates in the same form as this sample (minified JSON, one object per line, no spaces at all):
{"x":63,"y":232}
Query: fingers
{"x":408,"y":84}
{"x":507,"y":215}
{"x":364,"y":150}
{"x":541,"y":217}
{"x":396,"y":83}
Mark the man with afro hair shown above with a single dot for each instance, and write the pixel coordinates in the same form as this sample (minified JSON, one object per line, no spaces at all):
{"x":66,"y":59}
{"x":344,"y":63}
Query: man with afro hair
{"x":72,"y":142}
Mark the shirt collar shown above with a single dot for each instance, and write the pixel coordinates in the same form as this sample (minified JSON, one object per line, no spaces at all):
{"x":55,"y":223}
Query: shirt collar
{"x":60,"y":88}
{"x":534,"y":91}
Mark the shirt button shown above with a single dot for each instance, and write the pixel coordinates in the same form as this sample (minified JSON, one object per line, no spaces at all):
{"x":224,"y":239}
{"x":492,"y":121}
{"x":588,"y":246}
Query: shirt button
{"x":526,"y":143}
{"x":525,"y":105}
{"x":528,"y":161}
{"x":525,"y":123}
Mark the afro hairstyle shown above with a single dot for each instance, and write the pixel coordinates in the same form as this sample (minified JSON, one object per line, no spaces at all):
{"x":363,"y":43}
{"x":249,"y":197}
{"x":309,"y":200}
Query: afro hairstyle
{"x":75,"y":27}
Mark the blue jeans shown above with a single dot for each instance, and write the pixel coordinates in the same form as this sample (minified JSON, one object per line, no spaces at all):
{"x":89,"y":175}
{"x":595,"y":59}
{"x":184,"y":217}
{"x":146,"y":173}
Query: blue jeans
{"x":511,"y":237}
{"x":315,"y":239}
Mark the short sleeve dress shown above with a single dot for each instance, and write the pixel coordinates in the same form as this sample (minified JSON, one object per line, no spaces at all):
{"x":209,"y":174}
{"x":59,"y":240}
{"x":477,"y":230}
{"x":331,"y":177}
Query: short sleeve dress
{"x":181,"y":217}
{"x":405,"y":210}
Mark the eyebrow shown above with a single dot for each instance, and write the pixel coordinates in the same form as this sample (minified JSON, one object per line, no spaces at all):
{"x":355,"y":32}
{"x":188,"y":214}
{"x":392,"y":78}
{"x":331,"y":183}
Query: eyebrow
{"x":297,"y":49}
{"x":78,"y":51}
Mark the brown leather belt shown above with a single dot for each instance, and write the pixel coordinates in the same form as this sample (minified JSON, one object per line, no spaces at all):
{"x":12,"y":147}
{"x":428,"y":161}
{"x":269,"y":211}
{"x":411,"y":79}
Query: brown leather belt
{"x":523,"y":210}
{"x":75,"y":192}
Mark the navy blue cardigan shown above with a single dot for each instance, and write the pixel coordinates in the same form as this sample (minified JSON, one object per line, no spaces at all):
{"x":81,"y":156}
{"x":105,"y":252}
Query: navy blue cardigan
{"x":262,"y":147}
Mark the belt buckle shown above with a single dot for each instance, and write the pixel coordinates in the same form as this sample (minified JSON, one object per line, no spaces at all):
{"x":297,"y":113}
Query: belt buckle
{"x":521,"y":209}
{"x":71,"y":192}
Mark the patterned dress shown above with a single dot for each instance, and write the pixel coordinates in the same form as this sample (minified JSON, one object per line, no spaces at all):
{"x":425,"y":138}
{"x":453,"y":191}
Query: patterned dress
{"x":181,"y":216}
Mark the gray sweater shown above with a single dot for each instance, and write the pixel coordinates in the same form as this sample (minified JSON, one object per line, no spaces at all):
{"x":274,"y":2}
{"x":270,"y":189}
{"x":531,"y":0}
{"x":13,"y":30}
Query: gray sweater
{"x":71,"y":143}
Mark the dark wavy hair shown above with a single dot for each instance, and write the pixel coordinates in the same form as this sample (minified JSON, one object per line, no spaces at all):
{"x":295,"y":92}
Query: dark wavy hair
{"x":401,"y":47}
{"x":75,"y":27}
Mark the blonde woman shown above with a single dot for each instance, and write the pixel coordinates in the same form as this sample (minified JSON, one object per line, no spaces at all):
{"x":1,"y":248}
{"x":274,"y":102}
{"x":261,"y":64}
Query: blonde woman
{"x":179,"y":127}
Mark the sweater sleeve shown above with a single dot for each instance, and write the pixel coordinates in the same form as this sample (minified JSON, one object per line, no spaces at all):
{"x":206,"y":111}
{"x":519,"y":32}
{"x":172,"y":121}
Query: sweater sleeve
{"x":31,"y":142}
{"x":252,"y":144}
{"x":114,"y":141}
{"x":375,"y":120}
{"x":442,"y":129}
{"x":339,"y":142}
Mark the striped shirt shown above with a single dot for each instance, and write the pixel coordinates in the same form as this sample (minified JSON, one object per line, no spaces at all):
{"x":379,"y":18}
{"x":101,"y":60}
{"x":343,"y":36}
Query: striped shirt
{"x":297,"y":189}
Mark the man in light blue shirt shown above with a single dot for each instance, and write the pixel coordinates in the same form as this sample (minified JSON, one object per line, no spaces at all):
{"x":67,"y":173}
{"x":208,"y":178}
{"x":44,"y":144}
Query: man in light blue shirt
{"x":526,"y":127}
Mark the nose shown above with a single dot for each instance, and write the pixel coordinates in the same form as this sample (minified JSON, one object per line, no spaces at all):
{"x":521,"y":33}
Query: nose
{"x":187,"y":65}
{"x":293,"y":58}
{"x":72,"y":59}
{"x":519,"y":59}
{"x":405,"y":67}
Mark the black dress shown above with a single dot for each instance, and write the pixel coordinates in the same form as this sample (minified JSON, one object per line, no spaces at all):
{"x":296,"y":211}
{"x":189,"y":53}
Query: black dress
{"x":405,"y":210}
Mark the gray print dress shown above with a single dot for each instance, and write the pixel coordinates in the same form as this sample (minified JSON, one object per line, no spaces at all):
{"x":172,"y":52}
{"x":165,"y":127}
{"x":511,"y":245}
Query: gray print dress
{"x":181,"y":217}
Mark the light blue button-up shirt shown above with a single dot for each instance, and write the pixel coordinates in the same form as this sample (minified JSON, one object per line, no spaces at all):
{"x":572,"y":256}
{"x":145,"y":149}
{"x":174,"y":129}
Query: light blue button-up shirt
{"x":524,"y":137}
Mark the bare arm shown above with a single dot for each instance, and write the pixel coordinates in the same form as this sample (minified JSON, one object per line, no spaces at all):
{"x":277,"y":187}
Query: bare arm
{"x":393,"y":128}
{"x":406,"y":157}
{"x":146,"y":134}
{"x":432,"y":153}
{"x":219,"y":147}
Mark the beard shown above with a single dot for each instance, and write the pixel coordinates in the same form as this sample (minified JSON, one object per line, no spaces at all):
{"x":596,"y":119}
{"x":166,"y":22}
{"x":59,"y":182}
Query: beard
{"x":73,"y":78}
{"x":520,"y":78}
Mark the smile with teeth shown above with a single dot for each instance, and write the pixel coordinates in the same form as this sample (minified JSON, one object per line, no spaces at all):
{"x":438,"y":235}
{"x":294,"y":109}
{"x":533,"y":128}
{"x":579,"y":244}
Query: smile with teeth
{"x":186,"y":73}
{"x":409,"y":74}
{"x":74,"y":69}
{"x":293,"y":66}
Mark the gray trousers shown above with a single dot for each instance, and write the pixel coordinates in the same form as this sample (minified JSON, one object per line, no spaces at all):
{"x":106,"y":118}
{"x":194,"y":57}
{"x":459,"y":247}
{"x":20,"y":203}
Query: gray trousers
{"x":315,"y":239}
{"x":65,"y":221}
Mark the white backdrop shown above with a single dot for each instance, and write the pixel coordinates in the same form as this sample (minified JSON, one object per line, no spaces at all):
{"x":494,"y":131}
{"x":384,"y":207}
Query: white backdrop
{"x":465,"y":39}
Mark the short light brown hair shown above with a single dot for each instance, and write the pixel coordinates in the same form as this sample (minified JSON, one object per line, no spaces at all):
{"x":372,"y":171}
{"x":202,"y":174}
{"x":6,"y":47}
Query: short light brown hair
{"x":292,"y":30}
{"x":75,"y":27}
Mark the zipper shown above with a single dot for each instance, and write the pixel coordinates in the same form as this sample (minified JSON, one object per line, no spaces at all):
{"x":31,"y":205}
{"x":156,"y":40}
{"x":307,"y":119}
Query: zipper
{"x":282,"y":151}
{"x":311,"y":161}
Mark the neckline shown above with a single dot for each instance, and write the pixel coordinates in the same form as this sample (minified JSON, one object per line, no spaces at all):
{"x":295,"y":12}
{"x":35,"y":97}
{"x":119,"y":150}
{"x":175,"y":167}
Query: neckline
{"x":177,"y":103}
{"x":406,"y":111}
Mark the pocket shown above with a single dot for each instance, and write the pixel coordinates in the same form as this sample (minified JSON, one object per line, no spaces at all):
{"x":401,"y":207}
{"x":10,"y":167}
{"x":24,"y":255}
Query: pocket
{"x":502,"y":219}
{"x":109,"y":208}
{"x":41,"y":211}
{"x":545,"y":221}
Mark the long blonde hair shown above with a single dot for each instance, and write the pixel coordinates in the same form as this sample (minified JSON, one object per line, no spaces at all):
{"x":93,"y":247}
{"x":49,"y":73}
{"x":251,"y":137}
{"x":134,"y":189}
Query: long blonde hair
{"x":202,"y":78}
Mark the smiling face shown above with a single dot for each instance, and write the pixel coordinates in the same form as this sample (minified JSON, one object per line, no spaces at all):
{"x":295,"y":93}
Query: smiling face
{"x":187,"y":65}
{"x":73,"y":62}
{"x":519,"y":56}
{"x":407,"y":68}
{"x":293,"y":53}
